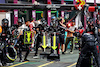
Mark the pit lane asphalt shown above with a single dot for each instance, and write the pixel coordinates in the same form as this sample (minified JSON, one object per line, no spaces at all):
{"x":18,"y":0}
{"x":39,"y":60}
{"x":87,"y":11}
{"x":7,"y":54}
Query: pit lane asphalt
{"x":67,"y":60}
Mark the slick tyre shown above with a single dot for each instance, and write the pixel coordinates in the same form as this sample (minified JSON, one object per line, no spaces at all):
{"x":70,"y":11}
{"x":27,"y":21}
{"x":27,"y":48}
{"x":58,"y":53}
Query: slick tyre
{"x":11,"y":54}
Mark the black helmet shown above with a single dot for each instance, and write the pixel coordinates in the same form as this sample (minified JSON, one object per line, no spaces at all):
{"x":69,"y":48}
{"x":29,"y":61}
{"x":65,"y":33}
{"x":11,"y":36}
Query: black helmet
{"x":5,"y":21}
{"x":91,"y":22}
{"x":20,"y":20}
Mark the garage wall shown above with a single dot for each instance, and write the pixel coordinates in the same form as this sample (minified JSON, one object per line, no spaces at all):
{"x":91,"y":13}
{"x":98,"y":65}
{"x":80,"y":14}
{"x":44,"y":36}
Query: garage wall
{"x":2,"y":16}
{"x":5,"y":15}
{"x":8,"y":16}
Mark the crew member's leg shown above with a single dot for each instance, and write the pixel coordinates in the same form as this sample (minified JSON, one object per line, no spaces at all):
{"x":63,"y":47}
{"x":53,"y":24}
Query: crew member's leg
{"x":72,"y":44}
{"x":20,"y":52}
{"x":20,"y":48}
{"x":3,"y":61}
{"x":27,"y":53}
{"x":83,"y":52}
{"x":38,"y":40}
{"x":66,"y":44}
{"x":62,"y":43}
{"x":94,"y":50}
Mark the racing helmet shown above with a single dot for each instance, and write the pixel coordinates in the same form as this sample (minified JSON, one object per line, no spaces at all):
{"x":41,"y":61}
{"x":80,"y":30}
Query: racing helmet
{"x":90,"y":22}
{"x":5,"y":22}
{"x":44,"y":23}
{"x":68,"y":25}
{"x":54,"y":22}
{"x":20,"y":21}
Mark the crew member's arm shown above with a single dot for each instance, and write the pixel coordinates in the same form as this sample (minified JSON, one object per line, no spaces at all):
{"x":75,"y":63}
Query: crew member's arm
{"x":31,"y":26}
{"x":36,"y":22}
{"x":70,"y":31}
{"x":63,"y":24}
{"x":20,"y":32}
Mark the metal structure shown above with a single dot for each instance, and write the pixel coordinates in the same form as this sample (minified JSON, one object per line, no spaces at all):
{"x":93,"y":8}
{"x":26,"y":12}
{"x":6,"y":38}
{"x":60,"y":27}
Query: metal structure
{"x":36,"y":7}
{"x":43,"y":7}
